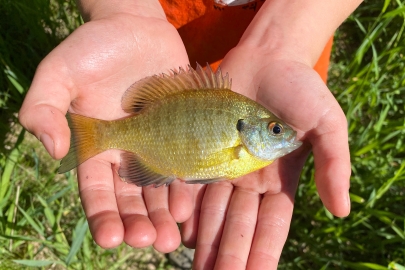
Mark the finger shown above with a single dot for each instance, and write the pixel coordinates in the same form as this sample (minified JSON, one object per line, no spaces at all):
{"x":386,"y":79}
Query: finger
{"x":189,"y":229}
{"x":181,"y":200}
{"x":325,"y":124}
{"x":238,"y":230}
{"x":97,"y":194}
{"x":139,"y":230}
{"x":157,"y":203}
{"x":276,"y":205}
{"x":332,"y":162}
{"x":44,"y":108}
{"x":273,"y":224}
{"x":50,"y":127}
{"x":212,"y":218}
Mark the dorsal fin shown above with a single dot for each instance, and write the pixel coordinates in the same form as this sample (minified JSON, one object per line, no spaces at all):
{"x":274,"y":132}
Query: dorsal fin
{"x":150,"y":89}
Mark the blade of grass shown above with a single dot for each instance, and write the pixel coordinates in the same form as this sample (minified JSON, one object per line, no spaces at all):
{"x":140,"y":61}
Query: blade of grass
{"x":10,"y":164}
{"x":48,"y":212}
{"x":32,"y":222}
{"x":35,"y":263}
{"x":80,"y":232}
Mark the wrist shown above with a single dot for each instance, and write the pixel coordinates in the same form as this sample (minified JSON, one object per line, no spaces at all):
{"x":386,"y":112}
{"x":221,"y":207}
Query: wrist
{"x":295,"y":30}
{"x":99,"y":9}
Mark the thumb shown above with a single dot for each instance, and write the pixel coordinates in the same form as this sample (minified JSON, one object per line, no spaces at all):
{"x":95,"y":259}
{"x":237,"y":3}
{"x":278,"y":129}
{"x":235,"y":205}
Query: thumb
{"x":44,"y":108}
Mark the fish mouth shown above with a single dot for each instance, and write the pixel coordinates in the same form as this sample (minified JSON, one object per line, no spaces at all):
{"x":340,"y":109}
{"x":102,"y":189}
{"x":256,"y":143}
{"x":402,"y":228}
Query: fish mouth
{"x":296,"y":143}
{"x":293,"y":143}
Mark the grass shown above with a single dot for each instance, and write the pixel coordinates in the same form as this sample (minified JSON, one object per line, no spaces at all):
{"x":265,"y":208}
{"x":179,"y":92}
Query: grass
{"x":29,"y":29}
{"x":42,"y":225}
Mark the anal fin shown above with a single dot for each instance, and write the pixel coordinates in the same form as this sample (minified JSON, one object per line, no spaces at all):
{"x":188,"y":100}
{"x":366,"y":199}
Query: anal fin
{"x":205,"y":181}
{"x":134,"y":171}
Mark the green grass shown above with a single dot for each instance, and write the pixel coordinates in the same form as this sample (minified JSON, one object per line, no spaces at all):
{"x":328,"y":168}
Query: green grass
{"x":29,"y":30}
{"x":42,"y":224}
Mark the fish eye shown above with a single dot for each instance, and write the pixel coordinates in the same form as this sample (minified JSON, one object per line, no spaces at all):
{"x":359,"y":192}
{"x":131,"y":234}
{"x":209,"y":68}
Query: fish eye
{"x":276,"y":128}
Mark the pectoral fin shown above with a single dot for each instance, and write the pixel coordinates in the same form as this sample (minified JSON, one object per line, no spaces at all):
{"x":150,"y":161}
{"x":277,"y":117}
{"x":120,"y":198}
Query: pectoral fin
{"x":225,"y":156}
{"x":135,"y":171}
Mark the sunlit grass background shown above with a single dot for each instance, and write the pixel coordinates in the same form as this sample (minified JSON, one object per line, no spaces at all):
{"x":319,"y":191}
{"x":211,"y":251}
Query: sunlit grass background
{"x":41,"y":220}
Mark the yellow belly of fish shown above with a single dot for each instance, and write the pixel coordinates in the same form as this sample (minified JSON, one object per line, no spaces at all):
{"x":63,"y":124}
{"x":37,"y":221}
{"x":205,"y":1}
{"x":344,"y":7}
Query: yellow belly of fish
{"x":191,"y":137}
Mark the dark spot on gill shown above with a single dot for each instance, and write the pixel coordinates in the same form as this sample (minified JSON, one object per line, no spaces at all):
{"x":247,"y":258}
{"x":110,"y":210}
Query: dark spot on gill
{"x":239,"y":125}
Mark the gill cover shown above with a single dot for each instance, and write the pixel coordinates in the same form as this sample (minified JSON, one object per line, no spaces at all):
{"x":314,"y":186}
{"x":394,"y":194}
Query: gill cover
{"x":267,"y":138}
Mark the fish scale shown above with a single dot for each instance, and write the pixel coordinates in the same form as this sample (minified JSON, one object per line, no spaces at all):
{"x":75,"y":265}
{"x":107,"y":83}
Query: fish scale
{"x":185,"y":130}
{"x":182,"y":127}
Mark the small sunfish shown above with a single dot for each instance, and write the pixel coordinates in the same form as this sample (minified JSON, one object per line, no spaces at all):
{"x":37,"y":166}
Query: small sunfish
{"x":188,"y":125}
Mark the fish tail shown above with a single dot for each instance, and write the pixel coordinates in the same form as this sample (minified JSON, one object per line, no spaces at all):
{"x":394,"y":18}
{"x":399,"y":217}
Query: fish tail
{"x":83,"y":141}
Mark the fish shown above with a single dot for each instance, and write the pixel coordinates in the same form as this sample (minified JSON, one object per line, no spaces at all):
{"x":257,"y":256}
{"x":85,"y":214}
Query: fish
{"x":187,"y":125}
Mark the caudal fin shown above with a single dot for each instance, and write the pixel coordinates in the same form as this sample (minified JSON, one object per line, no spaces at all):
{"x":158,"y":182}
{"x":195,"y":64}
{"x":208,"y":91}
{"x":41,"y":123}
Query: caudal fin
{"x":83,"y":141}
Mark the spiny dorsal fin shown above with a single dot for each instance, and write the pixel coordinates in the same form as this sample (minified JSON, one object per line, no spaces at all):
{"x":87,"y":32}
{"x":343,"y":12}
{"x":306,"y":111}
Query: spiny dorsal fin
{"x":150,"y":89}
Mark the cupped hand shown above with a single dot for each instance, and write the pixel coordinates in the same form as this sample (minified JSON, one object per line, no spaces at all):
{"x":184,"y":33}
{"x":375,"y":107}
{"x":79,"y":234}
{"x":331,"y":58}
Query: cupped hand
{"x":88,"y":74}
{"x":244,"y":223}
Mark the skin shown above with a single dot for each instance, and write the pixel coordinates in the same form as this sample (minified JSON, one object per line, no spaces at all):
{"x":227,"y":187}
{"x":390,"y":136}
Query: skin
{"x":233,"y":225}
{"x":87,"y":74}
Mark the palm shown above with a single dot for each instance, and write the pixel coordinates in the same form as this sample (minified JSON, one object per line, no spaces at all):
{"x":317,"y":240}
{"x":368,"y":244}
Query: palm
{"x":88,"y":74}
{"x":249,"y":219}
{"x":104,"y":63}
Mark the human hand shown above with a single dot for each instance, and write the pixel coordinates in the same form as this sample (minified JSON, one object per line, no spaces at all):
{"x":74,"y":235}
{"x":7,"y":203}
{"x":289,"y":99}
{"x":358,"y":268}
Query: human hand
{"x":88,"y":74}
{"x":244,"y":223}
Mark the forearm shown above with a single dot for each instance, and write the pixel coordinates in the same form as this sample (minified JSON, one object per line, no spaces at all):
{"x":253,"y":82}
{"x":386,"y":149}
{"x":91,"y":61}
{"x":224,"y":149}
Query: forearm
{"x":296,"y":29}
{"x":97,"y":9}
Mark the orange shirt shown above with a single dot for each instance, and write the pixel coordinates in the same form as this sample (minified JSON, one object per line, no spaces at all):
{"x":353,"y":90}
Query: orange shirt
{"x":210,"y":29}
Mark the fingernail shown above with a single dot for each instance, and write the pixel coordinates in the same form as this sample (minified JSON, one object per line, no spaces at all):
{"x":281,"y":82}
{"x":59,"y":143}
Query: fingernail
{"x":47,"y":141}
{"x":348,"y":200}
